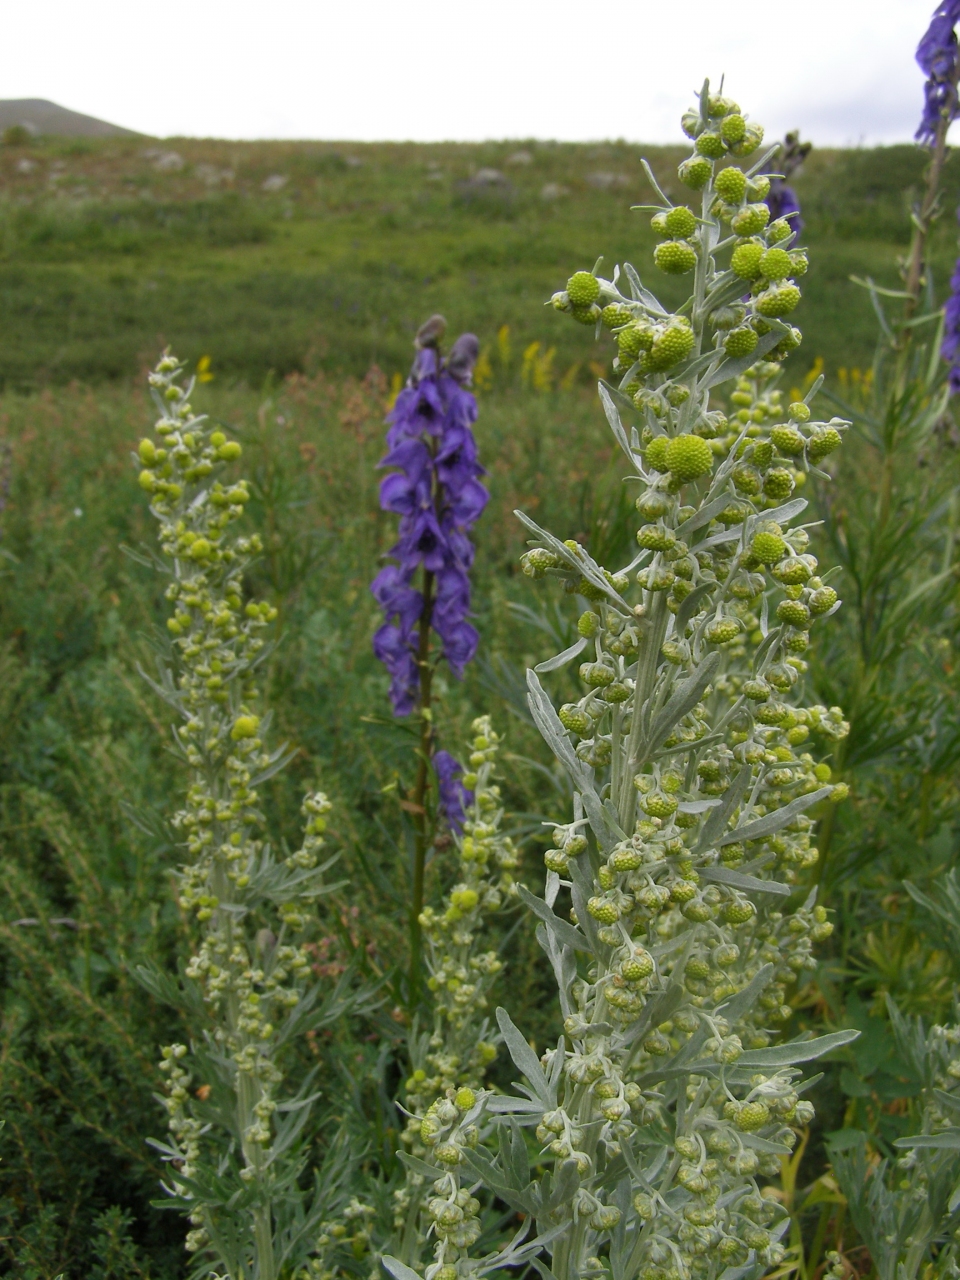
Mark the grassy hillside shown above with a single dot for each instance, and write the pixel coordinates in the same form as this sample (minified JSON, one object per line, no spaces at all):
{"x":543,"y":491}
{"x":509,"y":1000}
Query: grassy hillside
{"x":299,"y":256}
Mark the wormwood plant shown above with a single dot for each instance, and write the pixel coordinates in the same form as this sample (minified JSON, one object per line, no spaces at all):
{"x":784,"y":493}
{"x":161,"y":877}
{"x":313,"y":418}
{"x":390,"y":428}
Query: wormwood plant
{"x":450,"y":1060}
{"x":237,"y":1120}
{"x":689,"y":754}
{"x":907,"y":1211}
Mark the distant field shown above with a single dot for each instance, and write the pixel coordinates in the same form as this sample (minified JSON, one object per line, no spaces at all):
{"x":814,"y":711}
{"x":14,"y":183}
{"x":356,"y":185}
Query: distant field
{"x":300,"y":256}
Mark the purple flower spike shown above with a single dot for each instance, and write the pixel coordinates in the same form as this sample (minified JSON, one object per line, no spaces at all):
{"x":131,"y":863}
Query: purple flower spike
{"x":454,"y":797}
{"x":437,"y":494}
{"x":937,"y":57}
{"x":950,"y":347}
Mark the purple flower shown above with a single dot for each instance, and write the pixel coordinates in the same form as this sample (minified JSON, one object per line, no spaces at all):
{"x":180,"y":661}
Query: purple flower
{"x":783,"y":203}
{"x":454,"y":797}
{"x":437,"y":494}
{"x":950,"y":347}
{"x":937,"y":58}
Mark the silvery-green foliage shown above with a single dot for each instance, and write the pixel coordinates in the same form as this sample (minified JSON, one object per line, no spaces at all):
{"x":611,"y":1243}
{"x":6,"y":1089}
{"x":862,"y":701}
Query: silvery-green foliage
{"x":907,"y":1211}
{"x":236,"y":1122}
{"x":444,"y":1092}
{"x":664,"y":916}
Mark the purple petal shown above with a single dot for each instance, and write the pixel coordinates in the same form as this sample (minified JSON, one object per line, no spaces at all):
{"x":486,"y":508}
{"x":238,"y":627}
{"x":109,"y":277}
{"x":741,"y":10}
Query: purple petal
{"x":454,"y":797}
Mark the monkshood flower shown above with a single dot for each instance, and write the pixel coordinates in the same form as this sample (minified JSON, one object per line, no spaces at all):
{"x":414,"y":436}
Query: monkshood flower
{"x":950,"y":348}
{"x":454,"y":796}
{"x":781,"y":199}
{"x":437,"y":493}
{"x":937,"y":58}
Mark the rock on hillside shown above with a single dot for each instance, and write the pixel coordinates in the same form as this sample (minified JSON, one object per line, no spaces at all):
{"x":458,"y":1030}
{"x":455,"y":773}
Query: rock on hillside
{"x":37,"y":116}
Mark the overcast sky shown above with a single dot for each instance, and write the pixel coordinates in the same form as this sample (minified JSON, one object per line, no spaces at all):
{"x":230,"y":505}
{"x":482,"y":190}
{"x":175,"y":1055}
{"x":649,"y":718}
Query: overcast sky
{"x":841,"y":71}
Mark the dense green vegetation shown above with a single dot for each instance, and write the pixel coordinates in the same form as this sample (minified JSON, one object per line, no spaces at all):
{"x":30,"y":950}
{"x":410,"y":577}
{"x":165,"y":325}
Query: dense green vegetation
{"x":294,"y":293}
{"x":110,"y":247}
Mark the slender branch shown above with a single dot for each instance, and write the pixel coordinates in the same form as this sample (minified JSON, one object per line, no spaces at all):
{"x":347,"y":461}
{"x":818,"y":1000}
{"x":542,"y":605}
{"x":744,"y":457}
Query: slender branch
{"x":926,"y":215}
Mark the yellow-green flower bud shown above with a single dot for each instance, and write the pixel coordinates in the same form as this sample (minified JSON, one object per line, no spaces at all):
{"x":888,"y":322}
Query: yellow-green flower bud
{"x":799,"y":411}
{"x":723,"y":630}
{"x":676,"y":257}
{"x":672,"y":345}
{"x":230,"y":451}
{"x":746,"y":260}
{"x":586,"y":315}
{"x":733,"y":128}
{"x":634,"y":339}
{"x":245,"y":727}
{"x":740,"y":342}
{"x":778,"y":300}
{"x":710,"y":145}
{"x":731,"y":184}
{"x":822,"y":600}
{"x":695,"y":172}
{"x":794,"y":612}
{"x":657,"y":1044}
{"x":597,"y":674}
{"x":769,"y":548}
{"x":583,"y":288}
{"x":823,"y":442}
{"x":147,"y":480}
{"x":753,"y":136}
{"x":615,"y":315}
{"x":687,"y":457}
{"x":751,"y":1116}
{"x":778,"y":483}
{"x":775,"y":264}
{"x":751,"y":220}
{"x":680,"y":222}
{"x":788,"y":440}
{"x":779,"y":231}
{"x":588,"y":624}
{"x":656,"y":453}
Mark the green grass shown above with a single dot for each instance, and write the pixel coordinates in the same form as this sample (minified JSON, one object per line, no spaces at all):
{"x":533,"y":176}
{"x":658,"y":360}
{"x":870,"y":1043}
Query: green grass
{"x":103,"y":256}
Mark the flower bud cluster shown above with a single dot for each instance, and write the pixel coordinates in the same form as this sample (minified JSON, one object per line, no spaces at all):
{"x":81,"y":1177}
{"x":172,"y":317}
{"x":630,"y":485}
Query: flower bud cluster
{"x":449,"y":1065}
{"x":248,"y":903}
{"x":695,"y":754}
{"x":460,"y":974}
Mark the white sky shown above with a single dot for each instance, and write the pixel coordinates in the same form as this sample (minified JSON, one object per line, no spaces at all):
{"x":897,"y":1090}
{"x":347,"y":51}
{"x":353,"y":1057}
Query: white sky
{"x":841,"y":71}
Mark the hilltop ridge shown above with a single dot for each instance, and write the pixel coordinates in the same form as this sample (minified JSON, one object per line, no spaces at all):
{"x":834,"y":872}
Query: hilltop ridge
{"x":40,"y":116}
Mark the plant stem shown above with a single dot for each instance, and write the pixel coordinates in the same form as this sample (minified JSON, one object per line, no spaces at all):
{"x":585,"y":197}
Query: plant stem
{"x":924,"y":218}
{"x":421,"y":836}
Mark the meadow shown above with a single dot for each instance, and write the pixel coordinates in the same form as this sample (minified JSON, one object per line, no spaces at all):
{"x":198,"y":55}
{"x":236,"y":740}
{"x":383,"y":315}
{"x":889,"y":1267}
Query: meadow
{"x":297,"y":274}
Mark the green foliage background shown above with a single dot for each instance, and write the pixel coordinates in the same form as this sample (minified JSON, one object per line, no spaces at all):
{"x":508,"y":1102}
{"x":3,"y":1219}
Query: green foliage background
{"x":305,"y":298}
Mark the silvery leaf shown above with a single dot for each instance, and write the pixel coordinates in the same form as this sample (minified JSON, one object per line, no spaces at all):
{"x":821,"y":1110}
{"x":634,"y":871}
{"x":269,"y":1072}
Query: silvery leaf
{"x":561,"y":659}
{"x":772,"y":822}
{"x":564,"y":932}
{"x":750,"y":884}
{"x":684,"y":698}
{"x":524,"y":1058}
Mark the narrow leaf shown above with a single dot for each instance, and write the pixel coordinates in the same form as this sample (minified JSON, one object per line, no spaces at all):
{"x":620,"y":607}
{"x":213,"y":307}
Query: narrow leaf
{"x":561,"y":659}
{"x":771,"y":822}
{"x":749,"y":884}
{"x":524,"y":1058}
{"x":565,"y":933}
{"x":716,"y":824}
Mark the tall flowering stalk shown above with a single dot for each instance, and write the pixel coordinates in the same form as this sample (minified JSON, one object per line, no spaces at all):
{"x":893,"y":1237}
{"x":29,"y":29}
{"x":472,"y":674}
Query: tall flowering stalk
{"x":690,"y":753}
{"x":234,"y":1152}
{"x":437,"y":493}
{"x":450,"y":1060}
{"x":938,"y":56}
